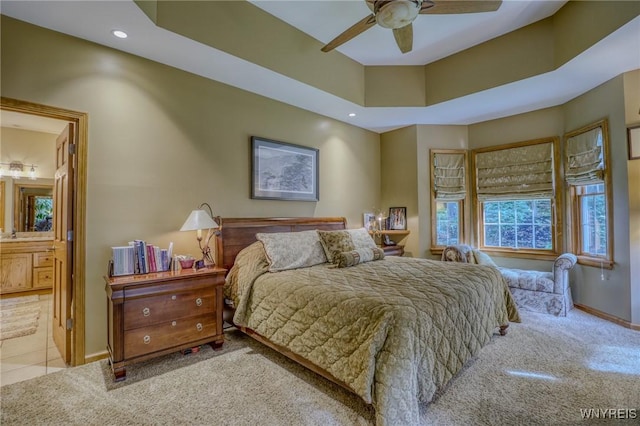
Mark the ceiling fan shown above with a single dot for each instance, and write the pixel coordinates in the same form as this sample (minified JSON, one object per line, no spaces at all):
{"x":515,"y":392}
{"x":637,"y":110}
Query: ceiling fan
{"x":399,"y":14}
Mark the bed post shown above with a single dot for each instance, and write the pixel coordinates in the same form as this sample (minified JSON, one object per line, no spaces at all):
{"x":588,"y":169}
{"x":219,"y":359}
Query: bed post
{"x":503,"y":329}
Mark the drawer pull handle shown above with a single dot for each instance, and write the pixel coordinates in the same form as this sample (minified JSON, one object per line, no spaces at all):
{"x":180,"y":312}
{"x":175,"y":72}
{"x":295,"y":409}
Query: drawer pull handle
{"x":173,"y":297}
{"x":173,"y":323}
{"x":198,"y":302}
{"x":199,"y":327}
{"x":146,"y":312}
{"x":146,"y":339}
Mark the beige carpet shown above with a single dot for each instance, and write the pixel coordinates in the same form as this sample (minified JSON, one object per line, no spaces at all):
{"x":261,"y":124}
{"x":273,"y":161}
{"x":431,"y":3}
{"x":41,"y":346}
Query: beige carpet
{"x":542,"y":373}
{"x":19,"y":316}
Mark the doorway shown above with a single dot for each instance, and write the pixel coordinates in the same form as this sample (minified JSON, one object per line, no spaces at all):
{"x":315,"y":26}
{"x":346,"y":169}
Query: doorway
{"x":73,"y":288}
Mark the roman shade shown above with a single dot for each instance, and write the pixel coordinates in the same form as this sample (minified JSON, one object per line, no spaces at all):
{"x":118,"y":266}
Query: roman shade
{"x":584,"y":165}
{"x":449,"y":176}
{"x":522,"y":172}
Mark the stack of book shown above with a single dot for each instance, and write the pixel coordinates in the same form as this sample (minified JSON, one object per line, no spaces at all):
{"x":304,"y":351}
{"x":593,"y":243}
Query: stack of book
{"x":140,"y":258}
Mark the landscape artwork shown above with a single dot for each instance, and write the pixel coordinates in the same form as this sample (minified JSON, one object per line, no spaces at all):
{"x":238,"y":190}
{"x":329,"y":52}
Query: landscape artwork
{"x":283,"y":171}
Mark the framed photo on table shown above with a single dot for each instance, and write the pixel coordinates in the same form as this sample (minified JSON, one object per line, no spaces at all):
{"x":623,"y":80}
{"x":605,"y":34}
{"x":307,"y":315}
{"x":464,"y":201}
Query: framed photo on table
{"x":283,"y":171}
{"x":369,"y":220}
{"x":398,"y":218}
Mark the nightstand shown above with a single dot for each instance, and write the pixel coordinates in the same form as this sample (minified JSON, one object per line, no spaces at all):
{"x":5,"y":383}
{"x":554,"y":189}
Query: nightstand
{"x":395,"y":250}
{"x":395,"y":236}
{"x":155,"y":314}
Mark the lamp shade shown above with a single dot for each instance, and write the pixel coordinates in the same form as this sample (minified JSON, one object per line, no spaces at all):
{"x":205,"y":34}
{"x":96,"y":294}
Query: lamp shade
{"x":198,"y":219}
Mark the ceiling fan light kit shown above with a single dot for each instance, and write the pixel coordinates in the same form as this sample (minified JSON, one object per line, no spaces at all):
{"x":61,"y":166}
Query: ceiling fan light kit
{"x":398,"y":16}
{"x":395,"y":14}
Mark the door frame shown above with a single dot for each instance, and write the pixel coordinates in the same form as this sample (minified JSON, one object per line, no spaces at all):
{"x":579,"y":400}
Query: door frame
{"x":80,"y":120}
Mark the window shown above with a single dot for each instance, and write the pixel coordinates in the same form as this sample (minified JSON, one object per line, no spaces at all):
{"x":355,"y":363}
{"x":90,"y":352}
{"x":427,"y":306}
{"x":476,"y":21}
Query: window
{"x":448,"y":197}
{"x":593,"y":219}
{"x":448,"y":219}
{"x":517,"y":197}
{"x":519,"y":224}
{"x":587,"y":174}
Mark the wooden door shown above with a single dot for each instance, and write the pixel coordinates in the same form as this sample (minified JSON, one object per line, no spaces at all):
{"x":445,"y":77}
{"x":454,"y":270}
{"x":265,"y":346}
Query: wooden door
{"x":63,"y":242}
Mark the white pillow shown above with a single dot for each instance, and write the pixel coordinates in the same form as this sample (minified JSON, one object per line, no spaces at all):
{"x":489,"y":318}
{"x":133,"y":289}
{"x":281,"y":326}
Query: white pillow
{"x":292,"y":250}
{"x":361,"y":238}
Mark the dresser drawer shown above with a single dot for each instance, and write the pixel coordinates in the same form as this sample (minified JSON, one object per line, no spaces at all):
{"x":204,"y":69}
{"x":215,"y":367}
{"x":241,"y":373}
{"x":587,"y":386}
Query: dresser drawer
{"x":168,"y":306}
{"x":42,"y":277}
{"x":41,"y":259}
{"x":157,"y":337}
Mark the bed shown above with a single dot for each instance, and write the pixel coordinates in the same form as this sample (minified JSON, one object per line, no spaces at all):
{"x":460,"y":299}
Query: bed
{"x":394,"y":331}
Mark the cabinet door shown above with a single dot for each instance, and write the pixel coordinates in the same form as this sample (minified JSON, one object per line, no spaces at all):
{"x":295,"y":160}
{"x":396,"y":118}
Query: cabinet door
{"x":16,"y":272}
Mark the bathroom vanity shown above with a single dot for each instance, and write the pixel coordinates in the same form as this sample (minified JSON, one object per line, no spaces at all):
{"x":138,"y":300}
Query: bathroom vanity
{"x":26,"y":264}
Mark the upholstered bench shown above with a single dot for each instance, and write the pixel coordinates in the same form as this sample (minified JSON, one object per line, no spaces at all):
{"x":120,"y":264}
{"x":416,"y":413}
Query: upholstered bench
{"x":546,"y":292}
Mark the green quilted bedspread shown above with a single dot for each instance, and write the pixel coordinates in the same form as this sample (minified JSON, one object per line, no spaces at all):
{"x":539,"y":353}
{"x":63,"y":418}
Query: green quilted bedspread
{"x":394,"y":330}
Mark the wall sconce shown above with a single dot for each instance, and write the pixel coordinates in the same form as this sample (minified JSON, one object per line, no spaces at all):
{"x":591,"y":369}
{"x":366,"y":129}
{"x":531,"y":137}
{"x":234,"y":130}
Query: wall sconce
{"x":16,"y":169}
{"x":197,"y":221}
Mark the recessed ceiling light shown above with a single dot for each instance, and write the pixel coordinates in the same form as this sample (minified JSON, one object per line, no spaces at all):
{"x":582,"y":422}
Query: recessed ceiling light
{"x":119,"y":33}
{"x":352,"y":114}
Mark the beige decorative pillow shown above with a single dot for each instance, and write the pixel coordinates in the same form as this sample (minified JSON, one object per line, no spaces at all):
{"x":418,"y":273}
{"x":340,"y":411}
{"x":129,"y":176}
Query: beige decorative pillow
{"x":361,"y":238}
{"x":292,"y":250}
{"x":351,"y":258}
{"x":335,"y":242}
{"x":483,"y":258}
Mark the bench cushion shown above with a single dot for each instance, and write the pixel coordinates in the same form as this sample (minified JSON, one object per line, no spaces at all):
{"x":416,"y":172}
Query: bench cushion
{"x":528,"y":280}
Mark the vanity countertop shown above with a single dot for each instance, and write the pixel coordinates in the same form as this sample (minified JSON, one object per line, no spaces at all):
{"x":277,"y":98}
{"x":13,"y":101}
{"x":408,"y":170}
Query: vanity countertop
{"x":23,"y":239}
{"x":26,"y":236}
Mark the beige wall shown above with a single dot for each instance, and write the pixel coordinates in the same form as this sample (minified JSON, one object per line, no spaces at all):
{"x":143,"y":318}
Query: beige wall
{"x":406,"y":176}
{"x":162,"y":141}
{"x":543,"y":123}
{"x":433,"y":137}
{"x":611,"y":295}
{"x":619,"y":293}
{"x":399,"y":180}
{"x":514,"y":56}
{"x":389,"y":86}
{"x":632,"y":118}
{"x":28,"y":147}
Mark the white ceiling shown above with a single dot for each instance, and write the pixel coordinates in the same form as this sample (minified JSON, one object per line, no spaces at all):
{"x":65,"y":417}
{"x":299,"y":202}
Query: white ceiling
{"x":94,"y":20}
{"x":434,"y":36}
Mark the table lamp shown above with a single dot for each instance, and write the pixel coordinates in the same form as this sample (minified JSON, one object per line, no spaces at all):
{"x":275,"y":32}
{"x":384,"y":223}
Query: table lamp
{"x":197,"y":221}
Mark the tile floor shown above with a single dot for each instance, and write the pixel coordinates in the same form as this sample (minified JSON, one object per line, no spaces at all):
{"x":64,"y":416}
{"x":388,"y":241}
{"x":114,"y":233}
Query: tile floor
{"x":26,"y":357}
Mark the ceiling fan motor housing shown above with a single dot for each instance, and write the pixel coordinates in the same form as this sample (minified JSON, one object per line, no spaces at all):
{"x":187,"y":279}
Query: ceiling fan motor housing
{"x":394,"y":14}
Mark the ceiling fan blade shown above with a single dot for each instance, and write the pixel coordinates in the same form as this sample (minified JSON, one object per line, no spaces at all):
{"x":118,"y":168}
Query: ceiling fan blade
{"x":351,"y":32}
{"x":443,"y":7}
{"x":404,"y":38}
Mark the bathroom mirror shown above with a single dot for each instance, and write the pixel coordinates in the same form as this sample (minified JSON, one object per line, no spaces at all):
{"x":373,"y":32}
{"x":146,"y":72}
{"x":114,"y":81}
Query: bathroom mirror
{"x":32,"y":207}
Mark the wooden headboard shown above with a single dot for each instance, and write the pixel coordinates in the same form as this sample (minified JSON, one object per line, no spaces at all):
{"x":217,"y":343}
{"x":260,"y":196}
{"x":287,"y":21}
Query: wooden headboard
{"x":237,"y":233}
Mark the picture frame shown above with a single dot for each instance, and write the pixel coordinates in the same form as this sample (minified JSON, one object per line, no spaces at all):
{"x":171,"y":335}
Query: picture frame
{"x":397,"y":218}
{"x":283,"y":171}
{"x":633,"y":139}
{"x":369,"y":221}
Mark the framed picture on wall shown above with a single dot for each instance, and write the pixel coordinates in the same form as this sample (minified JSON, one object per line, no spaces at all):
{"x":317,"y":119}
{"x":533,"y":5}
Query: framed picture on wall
{"x":398,"y":218}
{"x":283,"y":171}
{"x":633,"y":138}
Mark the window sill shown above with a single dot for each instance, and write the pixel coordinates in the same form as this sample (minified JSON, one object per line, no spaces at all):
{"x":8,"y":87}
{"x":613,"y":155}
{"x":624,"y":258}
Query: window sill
{"x":596,"y":262}
{"x":524,"y":254}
